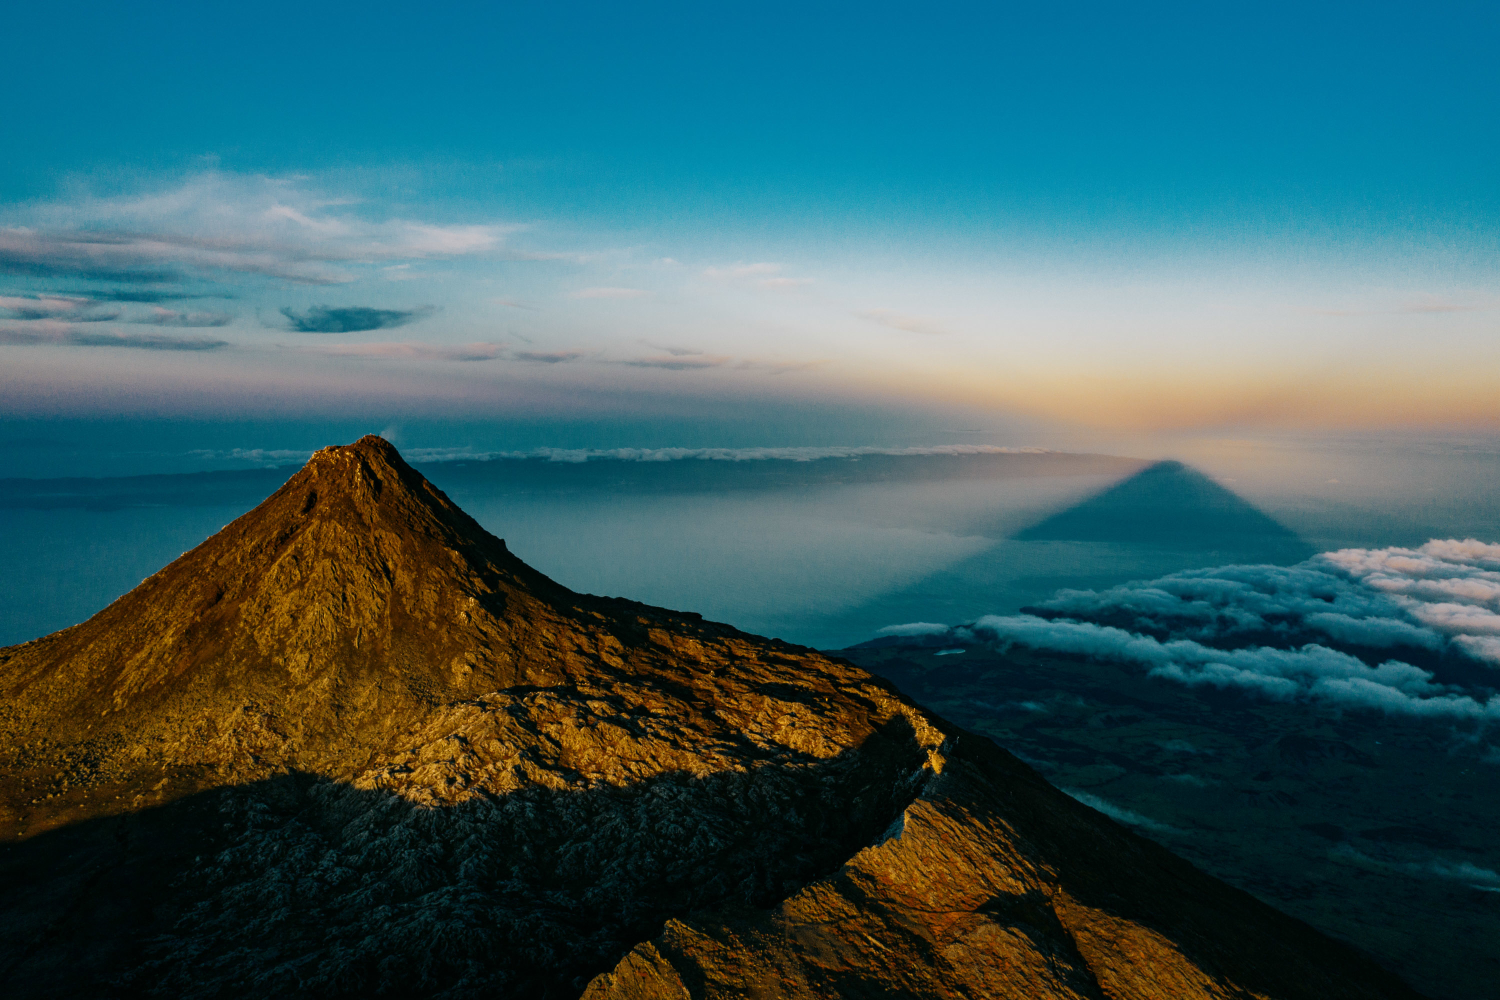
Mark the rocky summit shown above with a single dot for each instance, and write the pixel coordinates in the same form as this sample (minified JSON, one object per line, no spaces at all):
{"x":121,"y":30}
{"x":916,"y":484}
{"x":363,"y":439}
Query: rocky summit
{"x":352,"y":746}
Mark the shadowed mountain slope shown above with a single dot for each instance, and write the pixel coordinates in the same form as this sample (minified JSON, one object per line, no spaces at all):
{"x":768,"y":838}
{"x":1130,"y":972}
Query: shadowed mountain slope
{"x":352,"y":746}
{"x":1172,"y":505}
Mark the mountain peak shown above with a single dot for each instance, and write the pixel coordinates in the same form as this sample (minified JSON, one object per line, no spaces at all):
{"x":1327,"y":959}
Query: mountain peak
{"x":351,"y":745}
{"x":355,"y":581}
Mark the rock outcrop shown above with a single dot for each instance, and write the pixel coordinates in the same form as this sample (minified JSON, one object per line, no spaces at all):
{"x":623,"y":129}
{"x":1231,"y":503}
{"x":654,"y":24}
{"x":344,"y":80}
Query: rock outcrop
{"x":351,"y":745}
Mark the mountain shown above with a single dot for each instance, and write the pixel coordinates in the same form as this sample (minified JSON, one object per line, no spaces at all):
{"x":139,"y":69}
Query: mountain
{"x":351,"y":745}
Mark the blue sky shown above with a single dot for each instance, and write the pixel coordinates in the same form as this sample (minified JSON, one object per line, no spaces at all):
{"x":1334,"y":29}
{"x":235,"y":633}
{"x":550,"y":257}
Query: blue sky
{"x":1091,"y":218}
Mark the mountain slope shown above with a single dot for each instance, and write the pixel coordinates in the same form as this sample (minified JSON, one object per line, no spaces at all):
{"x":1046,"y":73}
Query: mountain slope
{"x":351,"y":745}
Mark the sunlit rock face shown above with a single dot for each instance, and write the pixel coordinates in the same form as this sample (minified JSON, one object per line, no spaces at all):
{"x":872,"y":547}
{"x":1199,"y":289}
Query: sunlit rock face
{"x":352,"y":746}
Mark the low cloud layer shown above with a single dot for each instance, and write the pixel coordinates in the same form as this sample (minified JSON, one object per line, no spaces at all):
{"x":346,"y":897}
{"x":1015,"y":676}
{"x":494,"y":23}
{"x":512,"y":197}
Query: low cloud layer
{"x":1120,"y":814}
{"x":416,"y":350}
{"x":351,"y":319}
{"x":72,"y":308}
{"x":809,"y":454}
{"x":1339,"y":628}
{"x":65,"y":334}
{"x":580,"y":455}
{"x":100,"y":309}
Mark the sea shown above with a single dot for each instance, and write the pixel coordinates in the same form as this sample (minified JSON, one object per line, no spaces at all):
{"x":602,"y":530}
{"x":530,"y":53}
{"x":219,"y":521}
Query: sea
{"x":821,"y":546}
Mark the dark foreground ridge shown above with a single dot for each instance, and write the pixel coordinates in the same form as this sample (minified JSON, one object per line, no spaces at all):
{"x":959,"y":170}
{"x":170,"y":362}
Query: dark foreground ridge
{"x":352,"y":746}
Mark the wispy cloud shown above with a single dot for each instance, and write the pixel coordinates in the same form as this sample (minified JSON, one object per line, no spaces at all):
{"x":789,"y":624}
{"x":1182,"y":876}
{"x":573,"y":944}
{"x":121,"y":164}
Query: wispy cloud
{"x":791,"y":454}
{"x":1436,"y":304}
{"x":609,"y":293}
{"x":74,"y":309}
{"x":764,"y":274}
{"x":51,"y":332}
{"x":82,"y":309}
{"x":1120,"y":814}
{"x":1422,"y":304}
{"x":150,"y":295}
{"x":549,"y":357}
{"x":219,"y":222}
{"x":351,"y":319}
{"x":681,"y":363}
{"x":482,"y":351}
{"x":902,"y":321}
{"x":675,"y":351}
{"x":684,"y":360}
{"x":173,"y":317}
{"x":420,"y":351}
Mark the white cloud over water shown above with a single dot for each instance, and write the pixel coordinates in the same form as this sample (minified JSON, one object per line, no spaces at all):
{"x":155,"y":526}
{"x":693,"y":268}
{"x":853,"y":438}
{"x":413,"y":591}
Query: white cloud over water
{"x":1338,"y":628}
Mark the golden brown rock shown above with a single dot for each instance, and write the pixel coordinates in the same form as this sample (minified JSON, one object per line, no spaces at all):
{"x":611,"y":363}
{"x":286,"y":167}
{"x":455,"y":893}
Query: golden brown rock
{"x":351,"y":745}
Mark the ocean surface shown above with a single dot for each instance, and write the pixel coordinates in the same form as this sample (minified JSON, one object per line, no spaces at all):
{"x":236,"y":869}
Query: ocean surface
{"x":822,"y":547}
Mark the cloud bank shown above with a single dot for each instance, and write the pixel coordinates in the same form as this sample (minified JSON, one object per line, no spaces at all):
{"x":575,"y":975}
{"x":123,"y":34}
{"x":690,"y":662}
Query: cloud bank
{"x":51,"y":332}
{"x":579,"y":455}
{"x":805,"y":454}
{"x":97,"y":309}
{"x":1339,"y":628}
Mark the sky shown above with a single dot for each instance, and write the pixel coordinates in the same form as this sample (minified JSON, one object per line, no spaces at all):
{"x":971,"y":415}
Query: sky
{"x":605,"y":225}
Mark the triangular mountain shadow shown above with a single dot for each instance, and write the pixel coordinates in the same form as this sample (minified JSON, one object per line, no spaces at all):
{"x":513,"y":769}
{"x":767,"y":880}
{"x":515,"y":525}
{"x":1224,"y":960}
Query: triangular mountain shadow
{"x":1173,"y":506}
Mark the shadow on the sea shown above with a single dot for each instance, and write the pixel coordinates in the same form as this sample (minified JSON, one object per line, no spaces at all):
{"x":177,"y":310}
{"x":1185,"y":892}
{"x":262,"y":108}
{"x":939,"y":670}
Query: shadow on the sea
{"x":1163,"y":519}
{"x":1170,"y":505}
{"x":301,"y":886}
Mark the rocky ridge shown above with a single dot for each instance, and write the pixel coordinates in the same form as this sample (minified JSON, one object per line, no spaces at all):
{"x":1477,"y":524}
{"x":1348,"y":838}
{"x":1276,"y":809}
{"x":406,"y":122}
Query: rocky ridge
{"x":352,"y":745}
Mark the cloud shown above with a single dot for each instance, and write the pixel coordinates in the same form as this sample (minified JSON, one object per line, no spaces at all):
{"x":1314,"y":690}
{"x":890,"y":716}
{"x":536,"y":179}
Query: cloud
{"x":511,"y":304}
{"x":609,"y":293}
{"x":82,"y":309}
{"x":1435,"y":304}
{"x":681,"y":363}
{"x":778,"y":367}
{"x":783,"y":283}
{"x":416,"y":351}
{"x":35,"y":255}
{"x":548,"y":357}
{"x":1329,"y":629}
{"x":676,"y":352}
{"x":1423,"y":304}
{"x":762,"y":275}
{"x":74,"y":309}
{"x":797,"y":454}
{"x":51,"y":332}
{"x":685,"y":359}
{"x":739,"y":271}
{"x":1120,"y":814}
{"x":1484,"y":879}
{"x":150,"y":295}
{"x":915,"y":628}
{"x":260,"y":456}
{"x":172,"y":317}
{"x":352,"y":319}
{"x":901,"y":321}
{"x":216,"y":222}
